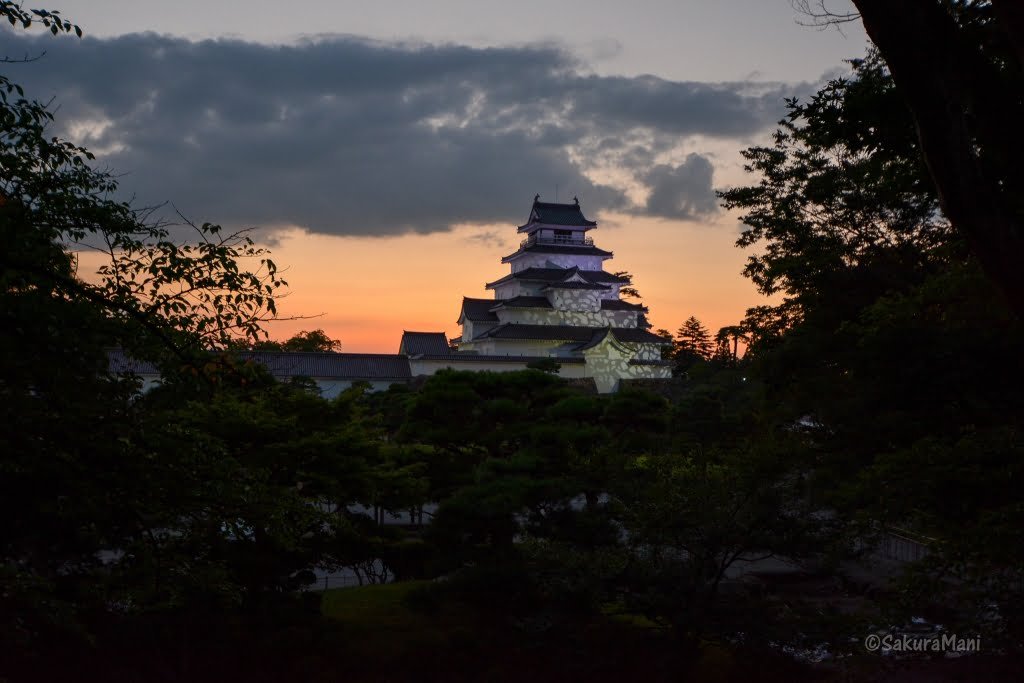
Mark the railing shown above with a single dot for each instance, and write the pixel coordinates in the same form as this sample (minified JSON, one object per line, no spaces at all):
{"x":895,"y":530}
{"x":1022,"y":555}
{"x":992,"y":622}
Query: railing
{"x":899,"y":545}
{"x":559,"y":240}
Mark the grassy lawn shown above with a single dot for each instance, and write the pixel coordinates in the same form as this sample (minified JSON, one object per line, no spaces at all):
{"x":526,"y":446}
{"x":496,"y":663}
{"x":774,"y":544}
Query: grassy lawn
{"x":376,"y":622}
{"x":377,"y":604}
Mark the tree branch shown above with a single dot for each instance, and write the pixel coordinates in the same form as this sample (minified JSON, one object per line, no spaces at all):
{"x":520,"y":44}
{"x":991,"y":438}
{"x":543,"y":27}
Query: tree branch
{"x":957,"y":105}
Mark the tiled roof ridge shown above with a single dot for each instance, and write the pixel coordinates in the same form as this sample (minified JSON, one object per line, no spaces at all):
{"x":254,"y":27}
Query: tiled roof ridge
{"x":578,"y":333}
{"x":553,"y":274}
{"x":581,"y":250}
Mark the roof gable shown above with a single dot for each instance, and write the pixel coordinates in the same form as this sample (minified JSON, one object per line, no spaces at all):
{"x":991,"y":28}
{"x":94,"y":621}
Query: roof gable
{"x":604,"y":337}
{"x":424,"y":343}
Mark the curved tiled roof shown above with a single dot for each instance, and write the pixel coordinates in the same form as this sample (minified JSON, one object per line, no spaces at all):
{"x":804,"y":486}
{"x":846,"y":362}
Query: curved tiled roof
{"x":550,"y":213}
{"x":576,"y":285}
{"x":479,"y":310}
{"x":524,"y":302}
{"x":558,"y":249}
{"x":620,"y":305}
{"x":542,"y":302}
{"x":637,"y":335}
{"x":571,"y":333}
{"x":559,"y":274}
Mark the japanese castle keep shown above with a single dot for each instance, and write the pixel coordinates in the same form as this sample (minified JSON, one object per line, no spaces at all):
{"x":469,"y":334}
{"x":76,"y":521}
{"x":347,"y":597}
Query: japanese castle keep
{"x":557,"y":302}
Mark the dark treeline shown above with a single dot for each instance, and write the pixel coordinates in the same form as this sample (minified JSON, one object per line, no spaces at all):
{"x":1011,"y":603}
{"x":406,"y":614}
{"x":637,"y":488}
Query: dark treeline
{"x":167,"y":535}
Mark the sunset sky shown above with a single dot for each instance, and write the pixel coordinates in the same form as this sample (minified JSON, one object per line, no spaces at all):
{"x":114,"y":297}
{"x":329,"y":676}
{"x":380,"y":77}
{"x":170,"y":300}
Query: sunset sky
{"x":387,"y":150}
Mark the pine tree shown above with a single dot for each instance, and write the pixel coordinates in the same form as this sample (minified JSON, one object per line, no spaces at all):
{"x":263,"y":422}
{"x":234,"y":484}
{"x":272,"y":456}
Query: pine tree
{"x":693,"y":341}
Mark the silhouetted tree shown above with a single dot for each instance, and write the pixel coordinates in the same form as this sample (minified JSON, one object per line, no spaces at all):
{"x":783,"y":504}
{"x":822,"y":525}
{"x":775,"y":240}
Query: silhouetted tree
{"x":877,"y":293}
{"x":627,"y":291}
{"x":961,"y":73}
{"x":693,"y":342}
{"x":309,"y":341}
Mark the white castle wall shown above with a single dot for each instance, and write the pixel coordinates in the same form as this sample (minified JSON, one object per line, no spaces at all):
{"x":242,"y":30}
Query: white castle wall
{"x":577,"y":300}
{"x":508,"y":290}
{"x":472,"y":328}
{"x":608,"y":363}
{"x":513,"y":347}
{"x":648,"y":351}
{"x":547,"y":316}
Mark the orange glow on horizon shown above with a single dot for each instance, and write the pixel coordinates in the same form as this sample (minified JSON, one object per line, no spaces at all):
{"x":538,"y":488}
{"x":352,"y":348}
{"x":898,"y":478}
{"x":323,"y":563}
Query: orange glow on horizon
{"x":366,"y":290}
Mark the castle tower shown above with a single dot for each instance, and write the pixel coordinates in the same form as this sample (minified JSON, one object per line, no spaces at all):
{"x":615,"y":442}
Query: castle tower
{"x":559,"y":302}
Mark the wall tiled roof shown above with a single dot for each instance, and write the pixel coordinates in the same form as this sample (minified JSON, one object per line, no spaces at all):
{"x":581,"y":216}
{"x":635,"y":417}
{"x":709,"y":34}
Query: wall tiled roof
{"x":332,"y":365}
{"x":471,"y":357}
{"x":351,"y":366}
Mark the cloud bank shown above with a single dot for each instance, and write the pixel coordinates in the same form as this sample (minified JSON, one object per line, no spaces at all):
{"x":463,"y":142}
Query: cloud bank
{"x":347,"y":136}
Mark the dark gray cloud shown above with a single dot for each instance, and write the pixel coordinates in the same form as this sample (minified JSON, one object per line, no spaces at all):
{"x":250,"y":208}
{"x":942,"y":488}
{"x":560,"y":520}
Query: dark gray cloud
{"x":348,"y":136}
{"x":682,"y":192}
